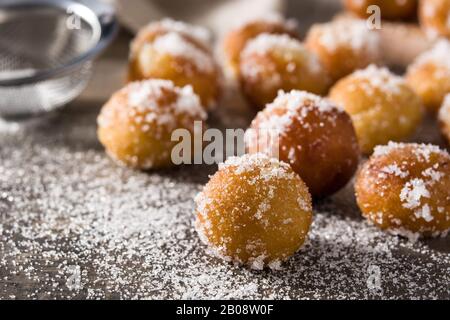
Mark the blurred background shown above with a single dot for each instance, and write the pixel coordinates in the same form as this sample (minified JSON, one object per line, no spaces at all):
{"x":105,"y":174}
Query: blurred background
{"x":217,"y":15}
{"x":220,"y":15}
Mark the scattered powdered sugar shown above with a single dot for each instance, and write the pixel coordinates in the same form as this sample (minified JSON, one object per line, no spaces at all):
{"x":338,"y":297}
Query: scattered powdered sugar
{"x":379,"y":78}
{"x":267,"y":42}
{"x":412,"y":193}
{"x":433,"y":173}
{"x":269,"y":167}
{"x":424,"y":213}
{"x":145,"y":95}
{"x":173,"y":43}
{"x":257,"y":263}
{"x":417,"y":191}
{"x":66,"y":210}
{"x":346,"y":33}
{"x":296,"y":99}
{"x":297,"y":104}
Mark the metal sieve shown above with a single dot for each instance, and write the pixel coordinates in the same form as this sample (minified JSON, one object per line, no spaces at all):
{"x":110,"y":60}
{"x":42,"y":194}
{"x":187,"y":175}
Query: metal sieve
{"x":46,"y":51}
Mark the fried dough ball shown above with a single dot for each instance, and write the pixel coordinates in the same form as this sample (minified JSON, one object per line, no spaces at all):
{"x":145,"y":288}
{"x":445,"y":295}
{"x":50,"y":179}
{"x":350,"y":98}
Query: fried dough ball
{"x":236,"y":40}
{"x":255,"y":211}
{"x":429,"y":75}
{"x":270,"y":63}
{"x":136,"y":124}
{"x":381,"y":105}
{"x":314,"y":136}
{"x":444,"y":118}
{"x":344,"y":46}
{"x":176,"y":52}
{"x":405,"y":188}
{"x":389,"y":9}
{"x":434,"y":17}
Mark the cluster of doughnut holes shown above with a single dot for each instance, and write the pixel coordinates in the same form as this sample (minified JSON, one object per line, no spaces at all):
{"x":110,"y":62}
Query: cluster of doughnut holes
{"x":270,"y":60}
{"x":257,"y":210}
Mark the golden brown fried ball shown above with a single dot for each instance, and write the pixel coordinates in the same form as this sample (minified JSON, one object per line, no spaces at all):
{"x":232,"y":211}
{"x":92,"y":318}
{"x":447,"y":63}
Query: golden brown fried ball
{"x":389,"y":9}
{"x":135,"y":126}
{"x":270,"y":63}
{"x":176,"y":52}
{"x":382,"y":106}
{"x":429,"y":75}
{"x":314,"y":136}
{"x":344,"y":46}
{"x":254,"y":211}
{"x":405,"y":188}
{"x":434,"y":17}
{"x":236,"y":40}
{"x":444,"y":118}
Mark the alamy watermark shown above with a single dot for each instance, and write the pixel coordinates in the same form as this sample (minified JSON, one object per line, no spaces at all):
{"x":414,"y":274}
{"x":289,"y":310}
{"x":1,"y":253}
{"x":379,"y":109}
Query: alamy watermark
{"x":73,"y":21}
{"x":374,"y":280}
{"x":373,"y":22}
{"x":73,"y":282}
